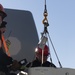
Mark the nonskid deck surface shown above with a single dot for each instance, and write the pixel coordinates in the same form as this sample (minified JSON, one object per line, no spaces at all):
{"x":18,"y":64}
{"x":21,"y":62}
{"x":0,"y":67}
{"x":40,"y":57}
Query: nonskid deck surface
{"x":51,"y":71}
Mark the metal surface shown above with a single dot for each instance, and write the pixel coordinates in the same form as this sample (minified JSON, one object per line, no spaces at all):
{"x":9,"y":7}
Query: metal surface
{"x":22,"y":34}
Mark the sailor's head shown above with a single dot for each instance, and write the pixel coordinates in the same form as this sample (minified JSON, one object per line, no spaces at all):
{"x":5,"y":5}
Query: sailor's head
{"x":3,"y":26}
{"x":38,"y":52}
{"x":2,"y":13}
{"x":2,"y":16}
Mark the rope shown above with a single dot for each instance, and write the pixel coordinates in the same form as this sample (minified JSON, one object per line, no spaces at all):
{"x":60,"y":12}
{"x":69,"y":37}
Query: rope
{"x":54,"y":50}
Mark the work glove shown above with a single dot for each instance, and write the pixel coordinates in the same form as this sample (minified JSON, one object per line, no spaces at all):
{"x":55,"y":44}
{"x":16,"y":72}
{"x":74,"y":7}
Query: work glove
{"x":15,"y":65}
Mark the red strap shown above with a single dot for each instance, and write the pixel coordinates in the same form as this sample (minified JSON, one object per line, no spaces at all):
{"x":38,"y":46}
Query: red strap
{"x":5,"y":45}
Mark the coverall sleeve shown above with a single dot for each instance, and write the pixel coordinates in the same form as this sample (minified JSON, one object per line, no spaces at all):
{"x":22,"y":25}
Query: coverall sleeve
{"x":4,"y":58}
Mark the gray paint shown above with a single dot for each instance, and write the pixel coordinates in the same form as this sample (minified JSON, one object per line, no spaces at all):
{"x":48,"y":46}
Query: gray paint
{"x":22,"y":33}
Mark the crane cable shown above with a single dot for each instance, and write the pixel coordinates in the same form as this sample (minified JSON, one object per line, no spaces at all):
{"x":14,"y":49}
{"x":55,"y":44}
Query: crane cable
{"x":54,"y":51}
{"x":46,"y":24}
{"x":45,"y":20}
{"x":45,"y":32}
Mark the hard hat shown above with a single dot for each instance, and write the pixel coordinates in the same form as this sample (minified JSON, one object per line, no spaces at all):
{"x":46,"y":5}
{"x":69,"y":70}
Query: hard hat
{"x":46,"y":50}
{"x":3,"y":24}
{"x":2,"y":12}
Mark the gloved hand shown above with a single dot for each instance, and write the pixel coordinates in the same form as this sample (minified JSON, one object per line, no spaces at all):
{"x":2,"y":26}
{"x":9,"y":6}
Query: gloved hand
{"x":15,"y":65}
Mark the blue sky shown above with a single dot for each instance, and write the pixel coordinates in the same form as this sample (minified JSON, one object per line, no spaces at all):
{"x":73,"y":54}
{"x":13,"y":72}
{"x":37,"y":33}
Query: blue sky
{"x":61,"y":17}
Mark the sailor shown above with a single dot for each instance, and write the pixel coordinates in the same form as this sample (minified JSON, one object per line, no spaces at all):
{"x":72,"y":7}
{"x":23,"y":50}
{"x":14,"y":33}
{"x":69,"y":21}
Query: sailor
{"x":5,"y":60}
{"x":38,"y":58}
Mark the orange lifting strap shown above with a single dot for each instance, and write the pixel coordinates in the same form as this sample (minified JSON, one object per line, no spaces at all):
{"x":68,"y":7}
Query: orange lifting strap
{"x":5,"y":46}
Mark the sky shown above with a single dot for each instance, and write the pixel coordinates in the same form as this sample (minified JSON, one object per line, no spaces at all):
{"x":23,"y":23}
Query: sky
{"x":61,"y":18}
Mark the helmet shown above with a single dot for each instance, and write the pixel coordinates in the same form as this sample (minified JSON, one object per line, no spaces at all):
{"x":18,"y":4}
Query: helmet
{"x":2,"y":12}
{"x":46,"y":50}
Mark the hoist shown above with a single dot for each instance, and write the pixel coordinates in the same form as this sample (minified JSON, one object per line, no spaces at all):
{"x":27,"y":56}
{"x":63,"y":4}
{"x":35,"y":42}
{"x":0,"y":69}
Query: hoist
{"x":45,"y":36}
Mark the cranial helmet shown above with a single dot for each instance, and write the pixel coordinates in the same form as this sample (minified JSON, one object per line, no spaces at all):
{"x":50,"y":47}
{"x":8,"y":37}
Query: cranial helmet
{"x":2,"y":12}
{"x":46,"y":50}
